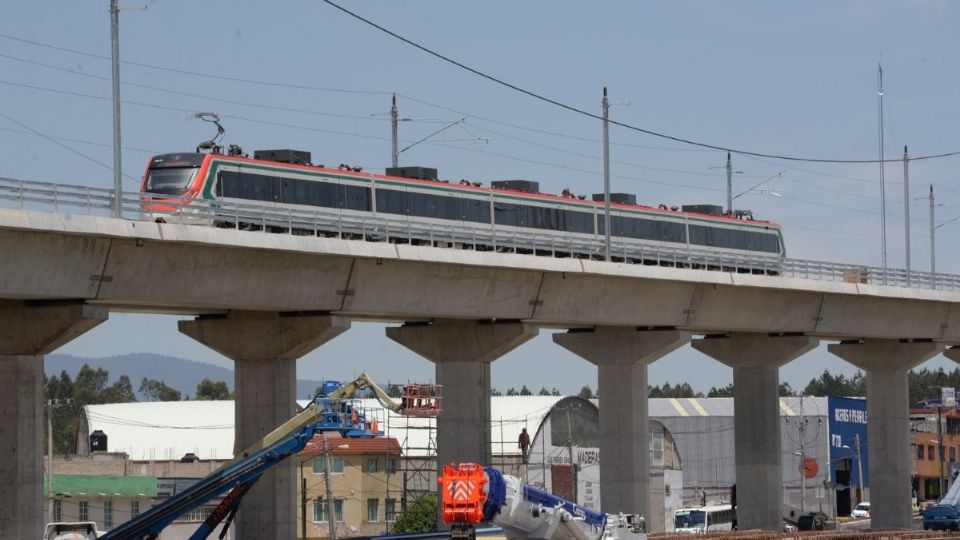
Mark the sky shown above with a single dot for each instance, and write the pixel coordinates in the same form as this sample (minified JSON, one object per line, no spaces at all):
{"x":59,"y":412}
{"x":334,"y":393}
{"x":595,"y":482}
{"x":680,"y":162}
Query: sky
{"x":789,"y":79}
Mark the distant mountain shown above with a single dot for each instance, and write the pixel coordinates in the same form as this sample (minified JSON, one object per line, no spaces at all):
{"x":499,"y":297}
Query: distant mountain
{"x":176,"y":372}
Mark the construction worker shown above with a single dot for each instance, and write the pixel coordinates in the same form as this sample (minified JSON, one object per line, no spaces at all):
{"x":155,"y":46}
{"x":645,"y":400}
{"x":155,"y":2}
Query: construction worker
{"x":524,"y":444}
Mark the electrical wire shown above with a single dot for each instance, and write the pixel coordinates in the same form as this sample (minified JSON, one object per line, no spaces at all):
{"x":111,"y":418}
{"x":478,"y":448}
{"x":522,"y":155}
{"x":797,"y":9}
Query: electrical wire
{"x":199,"y":96}
{"x":196,"y":73}
{"x":83,"y":141}
{"x":66,"y":147}
{"x":614,"y":122}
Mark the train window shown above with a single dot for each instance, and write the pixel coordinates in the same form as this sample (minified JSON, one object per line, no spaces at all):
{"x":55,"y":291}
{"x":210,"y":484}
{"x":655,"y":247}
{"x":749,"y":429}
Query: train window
{"x":574,"y":221}
{"x":701,"y":236}
{"x":539,"y":217}
{"x":671,"y":231}
{"x":390,"y":201}
{"x":356,"y":198}
{"x":507,"y":213}
{"x":475,"y":210}
{"x":241,"y":185}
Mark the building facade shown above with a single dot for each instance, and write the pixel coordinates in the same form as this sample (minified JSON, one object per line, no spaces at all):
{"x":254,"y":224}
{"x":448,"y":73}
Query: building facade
{"x":359,"y":498}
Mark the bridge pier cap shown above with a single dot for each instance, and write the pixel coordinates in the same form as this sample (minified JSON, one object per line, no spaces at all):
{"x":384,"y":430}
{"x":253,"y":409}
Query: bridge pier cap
{"x":27,"y":332}
{"x":886,"y":363}
{"x":756,"y":361}
{"x":265,"y":347}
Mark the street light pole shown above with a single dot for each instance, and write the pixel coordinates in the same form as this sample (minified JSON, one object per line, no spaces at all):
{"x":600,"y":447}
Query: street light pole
{"x":606,"y":176}
{"x":115,"y":58}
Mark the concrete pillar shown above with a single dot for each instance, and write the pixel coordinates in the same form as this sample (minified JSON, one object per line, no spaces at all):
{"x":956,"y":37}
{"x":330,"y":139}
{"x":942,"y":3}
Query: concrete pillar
{"x":264,"y":347}
{"x":886,"y":363}
{"x":26,"y":334}
{"x":756,"y":361}
{"x":622,"y":355}
{"x":463,"y":352}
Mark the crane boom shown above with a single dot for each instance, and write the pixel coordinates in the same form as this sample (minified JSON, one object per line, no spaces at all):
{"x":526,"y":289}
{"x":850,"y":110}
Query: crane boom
{"x":350,"y":389}
{"x":334,"y":412}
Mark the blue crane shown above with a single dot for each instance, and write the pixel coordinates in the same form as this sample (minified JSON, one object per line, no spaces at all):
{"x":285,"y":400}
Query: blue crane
{"x":333,"y":411}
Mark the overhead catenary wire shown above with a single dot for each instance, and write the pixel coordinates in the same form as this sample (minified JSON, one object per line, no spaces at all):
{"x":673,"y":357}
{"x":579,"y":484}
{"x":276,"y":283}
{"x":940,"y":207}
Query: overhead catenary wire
{"x":624,"y":125}
{"x":64,"y":146}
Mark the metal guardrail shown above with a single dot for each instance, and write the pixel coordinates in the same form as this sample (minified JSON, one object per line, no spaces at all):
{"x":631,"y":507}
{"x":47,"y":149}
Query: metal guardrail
{"x":264,"y":217}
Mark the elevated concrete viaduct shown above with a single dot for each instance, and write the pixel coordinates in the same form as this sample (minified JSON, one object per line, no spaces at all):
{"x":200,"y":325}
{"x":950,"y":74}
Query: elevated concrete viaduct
{"x":263,"y":300}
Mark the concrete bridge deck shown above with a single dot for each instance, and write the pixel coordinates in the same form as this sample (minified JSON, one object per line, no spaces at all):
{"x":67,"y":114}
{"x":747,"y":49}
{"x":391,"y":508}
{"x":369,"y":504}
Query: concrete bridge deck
{"x":149,"y":267}
{"x":265,"y":300}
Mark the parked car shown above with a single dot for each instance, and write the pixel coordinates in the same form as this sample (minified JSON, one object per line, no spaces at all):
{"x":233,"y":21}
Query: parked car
{"x":941,"y":518}
{"x":85,"y":530}
{"x":861,"y":511}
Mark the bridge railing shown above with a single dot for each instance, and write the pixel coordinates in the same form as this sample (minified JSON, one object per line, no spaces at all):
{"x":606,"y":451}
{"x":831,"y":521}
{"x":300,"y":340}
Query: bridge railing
{"x":266,"y":217}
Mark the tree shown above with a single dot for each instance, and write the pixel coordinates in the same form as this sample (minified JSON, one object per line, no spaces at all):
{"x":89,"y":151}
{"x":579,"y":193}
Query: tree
{"x":421,"y":516}
{"x":839,"y":385}
{"x":119,"y":392}
{"x":158,"y":390}
{"x":208,"y":390}
{"x":726,"y":391}
{"x":524,"y":391}
{"x":554,"y":391}
{"x":511,"y":391}
{"x":495,"y":392}
{"x":681,"y":390}
{"x":586,"y":392}
{"x":543,"y":391}
{"x":786,"y":390}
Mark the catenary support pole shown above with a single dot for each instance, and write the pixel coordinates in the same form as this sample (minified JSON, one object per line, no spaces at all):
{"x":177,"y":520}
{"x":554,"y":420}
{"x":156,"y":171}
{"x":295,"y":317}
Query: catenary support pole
{"x":606,"y":175}
{"x":115,"y":59}
{"x":906,"y":210}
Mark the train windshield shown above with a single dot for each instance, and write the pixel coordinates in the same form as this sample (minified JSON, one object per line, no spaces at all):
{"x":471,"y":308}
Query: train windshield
{"x":689,"y":519}
{"x":170,"y":181}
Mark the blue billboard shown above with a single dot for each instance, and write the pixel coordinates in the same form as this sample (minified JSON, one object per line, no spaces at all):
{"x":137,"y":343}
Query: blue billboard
{"x":847,"y":425}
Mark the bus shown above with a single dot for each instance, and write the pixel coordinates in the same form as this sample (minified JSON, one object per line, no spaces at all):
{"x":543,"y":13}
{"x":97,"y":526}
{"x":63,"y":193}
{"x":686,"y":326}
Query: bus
{"x":704,"y":519}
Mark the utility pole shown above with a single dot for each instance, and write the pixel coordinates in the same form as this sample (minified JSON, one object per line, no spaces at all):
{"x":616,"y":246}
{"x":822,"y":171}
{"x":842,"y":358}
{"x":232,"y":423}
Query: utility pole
{"x":394,"y":120}
{"x":606,"y":177}
{"x":303,"y":503}
{"x":115,"y":57}
{"x":729,"y":185}
{"x":327,"y":463}
{"x":856,"y":441}
{"x":906,"y":208}
{"x":50,"y":461}
{"x":940,"y":442}
{"x":803,"y":469}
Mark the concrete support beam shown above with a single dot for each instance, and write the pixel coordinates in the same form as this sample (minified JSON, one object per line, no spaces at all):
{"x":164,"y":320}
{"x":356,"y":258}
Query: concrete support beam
{"x":26,"y":334}
{"x":622,"y":355}
{"x":756,"y":361}
{"x":463,"y":352}
{"x":264,"y":347}
{"x":886,"y":363}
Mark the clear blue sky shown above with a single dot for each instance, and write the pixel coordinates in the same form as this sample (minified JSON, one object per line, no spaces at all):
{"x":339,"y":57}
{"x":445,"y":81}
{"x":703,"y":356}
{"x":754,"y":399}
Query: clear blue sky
{"x":783,"y":78}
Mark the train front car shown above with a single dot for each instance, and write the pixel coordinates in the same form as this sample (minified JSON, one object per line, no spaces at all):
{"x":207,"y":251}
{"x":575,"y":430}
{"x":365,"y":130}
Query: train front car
{"x":170,"y":184}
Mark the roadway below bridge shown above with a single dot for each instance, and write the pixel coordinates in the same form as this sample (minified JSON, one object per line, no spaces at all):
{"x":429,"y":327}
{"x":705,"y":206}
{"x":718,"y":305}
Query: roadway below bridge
{"x":265,"y":300}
